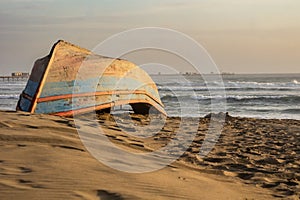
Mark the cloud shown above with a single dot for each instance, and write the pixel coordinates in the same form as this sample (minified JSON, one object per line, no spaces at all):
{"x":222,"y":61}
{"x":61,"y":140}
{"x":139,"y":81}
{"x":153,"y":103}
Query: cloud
{"x":25,"y":1}
{"x":218,"y":23}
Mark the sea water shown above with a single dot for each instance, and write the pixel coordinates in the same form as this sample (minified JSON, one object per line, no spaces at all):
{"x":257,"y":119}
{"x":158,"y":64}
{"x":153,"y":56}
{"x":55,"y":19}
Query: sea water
{"x":9,"y":93}
{"x":247,"y":95}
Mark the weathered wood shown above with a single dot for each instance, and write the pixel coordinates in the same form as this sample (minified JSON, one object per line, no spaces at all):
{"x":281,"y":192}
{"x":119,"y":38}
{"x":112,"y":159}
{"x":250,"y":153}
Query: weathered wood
{"x":73,"y":80}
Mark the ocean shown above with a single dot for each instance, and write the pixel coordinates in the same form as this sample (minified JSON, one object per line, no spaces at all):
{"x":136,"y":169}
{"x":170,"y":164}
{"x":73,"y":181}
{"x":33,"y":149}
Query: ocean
{"x":247,"y":95}
{"x":9,"y":93}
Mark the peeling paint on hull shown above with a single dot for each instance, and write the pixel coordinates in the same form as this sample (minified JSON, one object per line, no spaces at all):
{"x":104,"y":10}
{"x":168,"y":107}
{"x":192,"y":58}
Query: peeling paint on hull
{"x":72,"y":80}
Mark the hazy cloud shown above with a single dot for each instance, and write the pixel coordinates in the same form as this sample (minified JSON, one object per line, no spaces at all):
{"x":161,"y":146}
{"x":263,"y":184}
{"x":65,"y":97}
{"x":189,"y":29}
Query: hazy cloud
{"x":255,"y":30}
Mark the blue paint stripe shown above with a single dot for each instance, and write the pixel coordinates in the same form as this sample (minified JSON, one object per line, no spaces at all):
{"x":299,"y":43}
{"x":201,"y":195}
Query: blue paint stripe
{"x":31,"y":88}
{"x":92,"y":85}
{"x":63,"y":105}
{"x":24,"y":104}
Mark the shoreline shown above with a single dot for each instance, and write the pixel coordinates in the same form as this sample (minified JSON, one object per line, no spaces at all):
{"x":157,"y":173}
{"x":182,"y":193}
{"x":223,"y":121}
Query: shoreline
{"x":253,"y":158}
{"x":203,"y":116}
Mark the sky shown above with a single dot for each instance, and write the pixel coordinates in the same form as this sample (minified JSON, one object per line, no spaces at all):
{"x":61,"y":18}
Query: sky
{"x":242,"y":36}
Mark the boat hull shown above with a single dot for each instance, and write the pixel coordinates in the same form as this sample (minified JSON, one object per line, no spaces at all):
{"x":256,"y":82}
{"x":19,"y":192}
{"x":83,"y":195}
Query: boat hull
{"x":72,"y":80}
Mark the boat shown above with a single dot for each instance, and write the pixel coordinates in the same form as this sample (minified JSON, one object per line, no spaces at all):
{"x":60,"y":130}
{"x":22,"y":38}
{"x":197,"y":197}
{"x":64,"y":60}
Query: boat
{"x":72,"y":80}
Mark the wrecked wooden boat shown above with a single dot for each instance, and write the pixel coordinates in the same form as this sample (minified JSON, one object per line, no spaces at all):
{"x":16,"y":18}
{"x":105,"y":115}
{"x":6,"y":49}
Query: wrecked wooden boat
{"x":72,"y":80}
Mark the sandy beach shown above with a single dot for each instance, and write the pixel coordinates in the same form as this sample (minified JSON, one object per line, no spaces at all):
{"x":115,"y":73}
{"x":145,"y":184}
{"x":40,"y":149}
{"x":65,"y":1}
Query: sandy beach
{"x":149,"y":100}
{"x":42,"y":157}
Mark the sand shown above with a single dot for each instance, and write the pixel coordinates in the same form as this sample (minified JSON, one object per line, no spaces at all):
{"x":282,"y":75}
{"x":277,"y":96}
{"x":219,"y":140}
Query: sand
{"x":42,"y":157}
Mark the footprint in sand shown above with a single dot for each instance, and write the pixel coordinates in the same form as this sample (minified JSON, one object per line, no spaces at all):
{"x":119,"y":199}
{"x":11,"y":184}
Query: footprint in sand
{"x":25,"y":170}
{"x":106,"y":195}
{"x":68,"y":147}
{"x":19,"y":184}
{"x":15,"y":171}
{"x":5,"y":125}
{"x":100,"y":194}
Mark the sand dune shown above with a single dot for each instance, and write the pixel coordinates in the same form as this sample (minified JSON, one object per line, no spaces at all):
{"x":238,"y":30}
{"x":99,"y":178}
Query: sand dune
{"x":42,"y":157}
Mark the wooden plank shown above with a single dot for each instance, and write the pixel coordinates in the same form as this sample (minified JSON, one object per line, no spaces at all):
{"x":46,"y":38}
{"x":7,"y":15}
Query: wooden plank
{"x":107,"y":83}
{"x":62,"y":105}
{"x":66,"y":96}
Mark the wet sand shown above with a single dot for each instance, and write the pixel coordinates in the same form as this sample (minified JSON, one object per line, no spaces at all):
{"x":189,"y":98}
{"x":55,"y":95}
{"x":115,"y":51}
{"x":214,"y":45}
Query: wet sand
{"x":42,"y":157}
